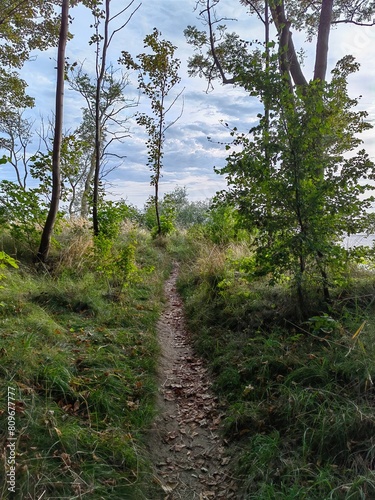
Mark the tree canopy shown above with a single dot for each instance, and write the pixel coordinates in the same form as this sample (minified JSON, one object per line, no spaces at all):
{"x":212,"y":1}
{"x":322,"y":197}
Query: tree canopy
{"x":222,"y":55}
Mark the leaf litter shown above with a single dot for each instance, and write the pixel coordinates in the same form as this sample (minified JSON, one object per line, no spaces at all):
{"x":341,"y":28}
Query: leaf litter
{"x":190,"y":459}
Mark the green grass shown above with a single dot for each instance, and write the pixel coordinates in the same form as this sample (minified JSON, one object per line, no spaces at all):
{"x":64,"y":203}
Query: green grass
{"x":82,"y":363}
{"x":299,"y":397}
{"x":78,"y":346}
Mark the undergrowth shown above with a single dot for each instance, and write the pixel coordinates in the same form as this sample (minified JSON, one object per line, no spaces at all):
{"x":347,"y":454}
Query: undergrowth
{"x":299,"y":394}
{"x":81,"y":360}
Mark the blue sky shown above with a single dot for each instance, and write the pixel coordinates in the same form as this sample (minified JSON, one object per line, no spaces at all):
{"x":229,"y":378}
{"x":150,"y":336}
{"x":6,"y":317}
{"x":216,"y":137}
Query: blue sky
{"x":189,"y":156}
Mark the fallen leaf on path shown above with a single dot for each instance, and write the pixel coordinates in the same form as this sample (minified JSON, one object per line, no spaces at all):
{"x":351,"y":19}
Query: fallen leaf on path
{"x":179,"y":447}
{"x":168,"y":488}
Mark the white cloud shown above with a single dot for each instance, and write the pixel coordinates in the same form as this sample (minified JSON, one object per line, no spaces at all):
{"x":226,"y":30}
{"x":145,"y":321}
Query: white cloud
{"x":189,"y":156}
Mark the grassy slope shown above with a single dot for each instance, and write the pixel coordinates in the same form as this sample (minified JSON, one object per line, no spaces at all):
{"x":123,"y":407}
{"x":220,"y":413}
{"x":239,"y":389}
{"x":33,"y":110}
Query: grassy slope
{"x":300,"y":398}
{"x":81,"y":358}
{"x":81,"y":361}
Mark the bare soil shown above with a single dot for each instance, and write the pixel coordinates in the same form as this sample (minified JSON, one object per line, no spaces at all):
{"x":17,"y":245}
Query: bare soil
{"x":190,"y":458}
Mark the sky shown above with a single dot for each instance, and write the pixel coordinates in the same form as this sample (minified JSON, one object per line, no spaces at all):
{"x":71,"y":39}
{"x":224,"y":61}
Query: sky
{"x":190,"y":157}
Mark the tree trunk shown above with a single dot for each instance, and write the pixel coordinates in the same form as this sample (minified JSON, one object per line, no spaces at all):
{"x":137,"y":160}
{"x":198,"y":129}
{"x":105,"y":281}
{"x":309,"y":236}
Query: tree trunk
{"x":98,"y":131}
{"x":322,"y":42}
{"x":156,"y":202}
{"x":72,"y":202}
{"x":45,"y":242}
{"x":158,"y":165}
{"x":323,"y":273}
{"x":289,"y":63}
{"x":86,"y":191}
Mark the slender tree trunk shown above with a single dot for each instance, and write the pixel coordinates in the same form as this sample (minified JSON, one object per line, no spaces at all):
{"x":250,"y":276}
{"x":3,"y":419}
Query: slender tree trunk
{"x":158,"y":164}
{"x":45,"y":242}
{"x":322,"y":42}
{"x":324,"y":275}
{"x":86,"y":191}
{"x":98,"y":131}
{"x":267,"y":41}
{"x":72,"y":202}
{"x":156,"y":202}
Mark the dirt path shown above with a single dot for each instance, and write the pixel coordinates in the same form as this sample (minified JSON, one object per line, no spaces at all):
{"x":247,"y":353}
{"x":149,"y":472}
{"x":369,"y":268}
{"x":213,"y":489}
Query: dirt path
{"x":189,"y":457}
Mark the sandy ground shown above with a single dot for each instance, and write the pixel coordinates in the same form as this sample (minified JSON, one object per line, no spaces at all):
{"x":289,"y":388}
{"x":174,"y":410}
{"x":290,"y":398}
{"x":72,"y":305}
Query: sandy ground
{"x":190,"y":459}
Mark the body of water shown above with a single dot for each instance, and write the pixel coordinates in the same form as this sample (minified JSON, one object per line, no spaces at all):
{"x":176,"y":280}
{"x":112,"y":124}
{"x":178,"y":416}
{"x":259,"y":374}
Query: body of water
{"x":356,"y":240}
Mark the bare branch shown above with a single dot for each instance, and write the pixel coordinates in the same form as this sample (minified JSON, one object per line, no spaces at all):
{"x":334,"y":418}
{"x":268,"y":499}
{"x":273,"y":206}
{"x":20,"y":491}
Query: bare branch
{"x":120,"y":157}
{"x":351,"y":21}
{"x":173,"y":102}
{"x":213,"y":48}
{"x":256,"y":10}
{"x":122,"y":11}
{"x":126,"y":22}
{"x":178,"y":117}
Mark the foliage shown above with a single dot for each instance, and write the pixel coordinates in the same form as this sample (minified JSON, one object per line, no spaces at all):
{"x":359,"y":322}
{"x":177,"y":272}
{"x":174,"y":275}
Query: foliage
{"x":116,"y":265}
{"x":295,"y":185}
{"x":23,"y":212}
{"x":113,"y":261}
{"x":166,"y":226}
{"x":167,"y":216}
{"x":5,"y":261}
{"x":111,"y":214}
{"x":234,"y":54}
{"x":187,"y":213}
{"x":222,"y":225}
{"x":12,"y":93}
{"x":24,"y":26}
{"x":72,"y":149}
{"x":176,"y":212}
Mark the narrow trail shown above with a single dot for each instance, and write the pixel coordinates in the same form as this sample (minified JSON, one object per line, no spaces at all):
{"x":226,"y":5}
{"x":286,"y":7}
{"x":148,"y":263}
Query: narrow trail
{"x":189,"y":457}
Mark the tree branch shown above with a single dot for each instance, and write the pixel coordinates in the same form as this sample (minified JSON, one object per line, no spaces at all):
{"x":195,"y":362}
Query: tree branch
{"x":125,"y":23}
{"x":179,"y":116}
{"x":351,"y":21}
{"x":256,"y":10}
{"x":213,"y":48}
